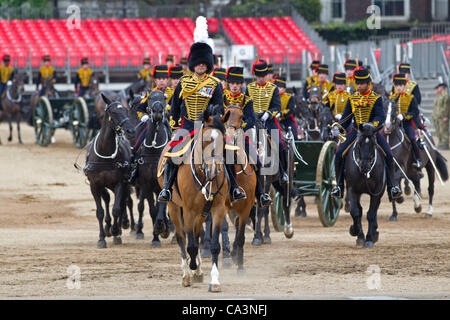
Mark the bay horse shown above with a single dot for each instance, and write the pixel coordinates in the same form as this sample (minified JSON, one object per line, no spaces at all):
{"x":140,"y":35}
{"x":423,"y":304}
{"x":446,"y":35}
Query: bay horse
{"x":201,"y":187}
{"x":107,"y":167}
{"x":365,"y":173}
{"x":266,"y":150}
{"x":156,"y":138}
{"x":11,"y":100}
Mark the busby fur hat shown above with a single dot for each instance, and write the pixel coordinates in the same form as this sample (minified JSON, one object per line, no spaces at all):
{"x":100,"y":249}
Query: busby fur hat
{"x":270,"y":68}
{"x":361,"y":75}
{"x":160,"y":71}
{"x":175,"y":71}
{"x":6,"y":58}
{"x":314,"y":64}
{"x":339,"y":78}
{"x":404,"y":68}
{"x":399,"y":78}
{"x":146,"y":61}
{"x":322,"y":68}
{"x":46,"y":58}
{"x":259,"y":68}
{"x":220,"y":73}
{"x":201,"y":51}
{"x":184,"y":60}
{"x":235,"y":74}
{"x":280,"y":81}
{"x":350,"y":64}
{"x":84,"y":61}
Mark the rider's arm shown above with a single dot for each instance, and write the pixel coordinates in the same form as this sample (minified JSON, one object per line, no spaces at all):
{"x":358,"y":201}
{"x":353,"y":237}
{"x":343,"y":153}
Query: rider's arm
{"x":174,"y":112}
{"x":217,"y":98}
{"x":77,"y":81}
{"x":38,"y":80}
{"x":249,"y":115}
{"x":305,"y":90}
{"x":346,"y":114}
{"x":290,"y":108}
{"x":275,"y":103}
{"x":417,"y":95}
{"x":378,"y":115}
{"x":413,"y":109}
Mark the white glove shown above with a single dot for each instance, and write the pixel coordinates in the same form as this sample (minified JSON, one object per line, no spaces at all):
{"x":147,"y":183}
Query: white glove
{"x":144,"y":118}
{"x":335,"y":131}
{"x":265,"y":116}
{"x":9,"y":83}
{"x":338,"y":116}
{"x":400,"y":117}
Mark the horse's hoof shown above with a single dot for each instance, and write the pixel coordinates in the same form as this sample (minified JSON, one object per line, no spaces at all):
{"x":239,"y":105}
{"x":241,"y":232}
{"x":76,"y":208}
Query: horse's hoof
{"x":132,"y":232}
{"x":418,"y":209}
{"x":108,"y":231}
{"x":186,"y":281}
{"x":400,"y":199}
{"x":268,"y":240}
{"x":133,"y":228}
{"x":165,"y":234}
{"x":241,"y":272}
{"x":206,"y":253}
{"x":9,"y":139}
{"x":101,"y":244}
{"x":117,"y":240}
{"x":214,"y":288}
{"x":428,"y":215}
{"x":360,"y":242}
{"x":347,"y":207}
{"x":376,"y":236}
{"x":408,"y":191}
{"x":256,"y":242}
{"x":125,"y":225}
{"x":368,"y":244}
{"x":155,"y":244}
{"x":352,"y":231}
{"x":197,"y":278}
{"x":393,"y":218}
{"x":139,"y":235}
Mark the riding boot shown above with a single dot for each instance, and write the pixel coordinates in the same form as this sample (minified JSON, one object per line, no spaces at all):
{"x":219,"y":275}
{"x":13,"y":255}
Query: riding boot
{"x":283,"y":165}
{"x":416,"y":155}
{"x":394,"y":192}
{"x":338,"y":191}
{"x":263,"y":198}
{"x":236,"y":193}
{"x":170,"y":173}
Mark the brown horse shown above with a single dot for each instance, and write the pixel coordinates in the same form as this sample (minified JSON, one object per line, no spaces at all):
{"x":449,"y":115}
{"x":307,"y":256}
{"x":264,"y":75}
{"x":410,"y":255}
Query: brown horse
{"x":12,"y":103}
{"x":107,"y":167}
{"x":246,"y":179}
{"x":49,"y":91}
{"x":201,"y":187}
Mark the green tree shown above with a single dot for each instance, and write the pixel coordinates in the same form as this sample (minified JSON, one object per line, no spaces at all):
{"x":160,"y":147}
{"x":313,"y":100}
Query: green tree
{"x":309,"y":9}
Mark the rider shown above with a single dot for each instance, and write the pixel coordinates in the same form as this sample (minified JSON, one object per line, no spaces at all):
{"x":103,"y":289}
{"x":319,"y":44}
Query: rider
{"x":7,"y":74}
{"x":350,"y":66}
{"x":287,"y":107}
{"x":192,"y":96}
{"x":322,"y":80}
{"x":184,"y":65}
{"x":235,"y":80}
{"x":175,"y":74}
{"x":364,"y":106}
{"x":337,"y":99}
{"x":270,"y":73}
{"x":45,"y":72}
{"x":221,"y":74}
{"x":145,"y":71}
{"x":83,"y":77}
{"x":267,"y":104}
{"x":169,"y":60}
{"x":406,"y":110}
{"x":311,"y":79}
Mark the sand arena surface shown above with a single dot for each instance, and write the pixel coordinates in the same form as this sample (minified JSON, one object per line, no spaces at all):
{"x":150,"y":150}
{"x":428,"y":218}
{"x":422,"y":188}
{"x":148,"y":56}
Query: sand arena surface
{"x":47,"y":223}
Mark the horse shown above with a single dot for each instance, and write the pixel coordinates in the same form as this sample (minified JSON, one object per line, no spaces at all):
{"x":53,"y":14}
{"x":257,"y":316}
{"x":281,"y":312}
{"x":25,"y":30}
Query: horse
{"x":365,"y":173}
{"x":107,"y":167}
{"x":326,"y":118}
{"x":201,"y":187}
{"x":156,"y":138}
{"x":49,"y":91}
{"x":11,"y":100}
{"x":267,"y":147}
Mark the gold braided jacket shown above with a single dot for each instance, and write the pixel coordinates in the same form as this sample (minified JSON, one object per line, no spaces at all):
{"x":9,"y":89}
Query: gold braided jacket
{"x":196,"y":93}
{"x":285,"y":97}
{"x":362,"y":106}
{"x":85,"y":76}
{"x":338,"y":101}
{"x":237,"y":99}
{"x":145,"y":74}
{"x":261,"y":95}
{"x":325,"y":86}
{"x":403,"y":103}
{"x":6,"y":72}
{"x":310,"y":80}
{"x":46,"y":72}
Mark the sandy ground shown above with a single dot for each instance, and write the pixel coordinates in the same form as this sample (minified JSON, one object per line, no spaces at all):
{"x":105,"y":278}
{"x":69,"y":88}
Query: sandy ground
{"x":48,"y":223}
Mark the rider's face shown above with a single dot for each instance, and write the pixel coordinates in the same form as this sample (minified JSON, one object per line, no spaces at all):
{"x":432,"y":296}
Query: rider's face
{"x":175,"y":82}
{"x":362,"y":87}
{"x":224,"y":84}
{"x":235,"y":87}
{"x":323,"y":77}
{"x":349,"y":73}
{"x":339,"y":87}
{"x":400,"y":88}
{"x":200,"y":68}
{"x":282,"y":90}
{"x":146,"y":66}
{"x":161,"y":83}
{"x":261,"y":80}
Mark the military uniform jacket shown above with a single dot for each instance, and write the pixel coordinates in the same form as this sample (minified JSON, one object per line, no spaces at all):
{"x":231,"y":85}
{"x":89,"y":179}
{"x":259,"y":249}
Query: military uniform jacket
{"x":83,"y":76}
{"x":145,"y":74}
{"x":287,"y":105}
{"x":265,"y":97}
{"x":192,"y":95}
{"x":325,"y":86}
{"x":249,"y":113}
{"x":309,"y":81}
{"x":406,"y":105}
{"x":413,"y":88}
{"x":142,"y":107}
{"x":363,"y":109}
{"x":350,"y":84}
{"x":337,"y":101}
{"x":6,"y":73}
{"x":441,"y":107}
{"x":44,"y":73}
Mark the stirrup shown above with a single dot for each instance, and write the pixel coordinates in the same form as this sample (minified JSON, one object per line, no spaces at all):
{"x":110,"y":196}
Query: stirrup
{"x":396,"y":192}
{"x":163,"y":198}
{"x":337,"y":192}
{"x":241,"y":195}
{"x":417,"y":163}
{"x":265,"y":200}
{"x":284,"y":178}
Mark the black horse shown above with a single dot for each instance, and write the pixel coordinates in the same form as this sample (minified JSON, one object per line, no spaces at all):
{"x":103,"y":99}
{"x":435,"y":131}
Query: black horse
{"x":157,"y":135}
{"x":365,"y":173}
{"x":107,"y":167}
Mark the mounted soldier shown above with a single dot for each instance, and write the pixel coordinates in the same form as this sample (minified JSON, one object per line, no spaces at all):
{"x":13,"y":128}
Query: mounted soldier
{"x":363,"y":107}
{"x":192,"y":96}
{"x":267,"y":104}
{"x":270,"y":73}
{"x":407,"y":109}
{"x":46,"y":73}
{"x":325,"y":86}
{"x":170,"y":60}
{"x":337,"y":99}
{"x":145,"y":71}
{"x":350,"y":85}
{"x":184,"y":65}
{"x":311,"y":79}
{"x":221,"y":74}
{"x":175,"y":74}
{"x":83,"y":78}
{"x":234,"y":96}
{"x":287,"y":107}
{"x":6,"y":74}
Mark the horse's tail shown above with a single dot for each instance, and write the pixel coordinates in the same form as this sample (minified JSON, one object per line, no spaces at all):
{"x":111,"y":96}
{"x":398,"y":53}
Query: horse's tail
{"x":442,"y":166}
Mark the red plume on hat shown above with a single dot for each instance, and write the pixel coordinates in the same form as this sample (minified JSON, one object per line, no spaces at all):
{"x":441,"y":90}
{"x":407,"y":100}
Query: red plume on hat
{"x":354,"y":70}
{"x":254,"y":64}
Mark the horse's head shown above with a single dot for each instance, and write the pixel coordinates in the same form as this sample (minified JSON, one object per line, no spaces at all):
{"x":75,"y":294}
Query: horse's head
{"x":366,"y":146}
{"x":116,"y":118}
{"x":379,"y":88}
{"x":325,"y":118}
{"x":156,"y":106}
{"x":390,"y":110}
{"x":93,"y":84}
{"x":19,"y":82}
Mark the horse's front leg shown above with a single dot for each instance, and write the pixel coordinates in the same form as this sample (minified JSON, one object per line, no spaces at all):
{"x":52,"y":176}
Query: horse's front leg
{"x":130,"y":210}
{"x":266,"y":238}
{"x":206,"y":250}
{"x":218,"y":214}
{"x":100,"y":215}
{"x":288,"y":229}
{"x":431,"y":179}
{"x":141,"y":207}
{"x":153,"y":213}
{"x":18,"y":129}
{"x":372,"y":233}
{"x":106,"y":198}
{"x":10,"y":128}
{"x":119,"y":204}
{"x":258,"y":237}
{"x":356,"y":213}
